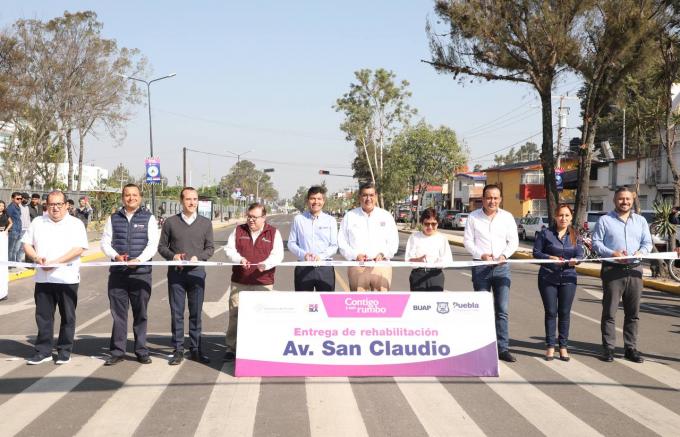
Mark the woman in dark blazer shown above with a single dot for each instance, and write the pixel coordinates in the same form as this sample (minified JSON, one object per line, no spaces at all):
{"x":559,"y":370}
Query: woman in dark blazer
{"x":557,"y":281}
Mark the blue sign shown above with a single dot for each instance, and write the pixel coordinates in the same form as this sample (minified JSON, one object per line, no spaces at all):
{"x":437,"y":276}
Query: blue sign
{"x":153,"y":170}
{"x":558,"y":179}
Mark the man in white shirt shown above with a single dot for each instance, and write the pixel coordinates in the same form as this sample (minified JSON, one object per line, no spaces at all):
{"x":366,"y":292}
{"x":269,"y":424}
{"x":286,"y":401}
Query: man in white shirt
{"x":56,"y":238}
{"x":258,"y":248}
{"x":491,"y":235}
{"x":130,"y":235}
{"x":368,"y":233}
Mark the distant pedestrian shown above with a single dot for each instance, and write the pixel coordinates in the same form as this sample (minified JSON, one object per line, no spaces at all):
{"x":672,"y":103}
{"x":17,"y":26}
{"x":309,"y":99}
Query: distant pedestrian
{"x":187,"y":236}
{"x":621,"y":233}
{"x":34,"y":208}
{"x":5,"y":220}
{"x":130,"y":234}
{"x":84,"y":211}
{"x":491,"y":235}
{"x":14,"y":242}
{"x":258,"y":247}
{"x":368,"y":233}
{"x":557,"y":282}
{"x":428,"y":246}
{"x":55,"y":239}
{"x":314,"y":237}
{"x":25,"y":221}
{"x":71,"y":207}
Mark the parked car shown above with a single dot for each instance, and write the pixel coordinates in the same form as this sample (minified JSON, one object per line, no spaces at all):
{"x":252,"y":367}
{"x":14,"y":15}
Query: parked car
{"x":521,"y":232}
{"x":446,"y":217}
{"x":460,"y":220}
{"x":533,"y":225}
{"x":402,"y":215}
{"x":592,"y":218}
{"x":659,"y":242}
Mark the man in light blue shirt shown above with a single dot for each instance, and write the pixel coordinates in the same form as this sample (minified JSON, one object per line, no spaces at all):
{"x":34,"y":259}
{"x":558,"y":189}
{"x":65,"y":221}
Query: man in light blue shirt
{"x":621,"y":233}
{"x":314,"y":237}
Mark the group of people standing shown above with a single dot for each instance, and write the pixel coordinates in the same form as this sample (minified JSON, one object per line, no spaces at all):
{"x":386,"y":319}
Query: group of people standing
{"x":367,"y":233}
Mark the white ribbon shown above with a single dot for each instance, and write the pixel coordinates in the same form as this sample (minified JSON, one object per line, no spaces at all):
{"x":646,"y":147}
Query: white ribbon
{"x":448,"y":265}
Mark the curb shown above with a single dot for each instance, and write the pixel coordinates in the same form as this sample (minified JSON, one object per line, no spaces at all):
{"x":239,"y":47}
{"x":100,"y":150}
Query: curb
{"x":590,"y":270}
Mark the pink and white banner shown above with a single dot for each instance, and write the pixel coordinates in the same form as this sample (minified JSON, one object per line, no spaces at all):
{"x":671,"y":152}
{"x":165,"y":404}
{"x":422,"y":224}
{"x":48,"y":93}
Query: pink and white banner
{"x":366,"y":334}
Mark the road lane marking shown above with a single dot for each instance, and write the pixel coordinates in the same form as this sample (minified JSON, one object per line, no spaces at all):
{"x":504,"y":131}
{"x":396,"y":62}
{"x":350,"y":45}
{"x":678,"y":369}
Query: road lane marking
{"x":643,"y":305}
{"x":15,"y":307}
{"x":428,"y":398}
{"x":590,"y":319}
{"x":535,"y":406}
{"x":661,"y":372}
{"x":232,"y":406}
{"x":342,"y":282}
{"x":325,"y":398}
{"x":469,"y":275}
{"x":214,"y":309}
{"x":122,"y":413}
{"x":27,"y":406}
{"x":9,"y":365}
{"x":629,"y":402}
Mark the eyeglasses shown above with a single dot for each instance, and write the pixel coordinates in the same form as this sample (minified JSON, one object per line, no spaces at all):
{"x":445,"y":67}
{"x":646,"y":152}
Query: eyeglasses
{"x":55,"y":205}
{"x":432,"y":224}
{"x":253,"y":217}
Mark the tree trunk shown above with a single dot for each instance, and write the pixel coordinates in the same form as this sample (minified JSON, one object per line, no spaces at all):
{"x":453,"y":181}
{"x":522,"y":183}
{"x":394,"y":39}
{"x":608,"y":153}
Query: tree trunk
{"x":69,"y":153}
{"x":584,"y":158}
{"x":81,"y":150}
{"x":548,"y":155}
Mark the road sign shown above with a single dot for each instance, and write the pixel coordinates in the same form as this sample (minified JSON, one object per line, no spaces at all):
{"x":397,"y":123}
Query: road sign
{"x":153,"y":170}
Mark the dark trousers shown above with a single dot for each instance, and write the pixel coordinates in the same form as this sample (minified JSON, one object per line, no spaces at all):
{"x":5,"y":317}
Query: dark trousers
{"x":620,"y":282}
{"x":314,"y":278}
{"x":125,"y":290}
{"x":48,"y":296}
{"x":426,"y":280}
{"x":557,"y":300}
{"x":190,"y":286}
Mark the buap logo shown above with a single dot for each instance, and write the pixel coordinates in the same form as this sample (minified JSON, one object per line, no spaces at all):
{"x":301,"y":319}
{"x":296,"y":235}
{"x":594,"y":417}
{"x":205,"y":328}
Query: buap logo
{"x":442,"y":307}
{"x":422,"y":307}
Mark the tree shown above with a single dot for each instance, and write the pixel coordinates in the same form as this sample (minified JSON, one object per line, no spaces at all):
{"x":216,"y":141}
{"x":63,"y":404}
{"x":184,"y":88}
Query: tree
{"x":527,"y":152}
{"x":430,"y":155}
{"x":300,"y":198}
{"x":119,"y":177}
{"x":375,"y":109}
{"x":615,"y":44}
{"x":519,"y":41}
{"x":477,"y":167}
{"x":245,"y":176}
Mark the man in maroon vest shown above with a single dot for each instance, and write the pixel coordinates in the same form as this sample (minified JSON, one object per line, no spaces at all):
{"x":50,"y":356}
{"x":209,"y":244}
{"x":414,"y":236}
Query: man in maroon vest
{"x":258,"y":247}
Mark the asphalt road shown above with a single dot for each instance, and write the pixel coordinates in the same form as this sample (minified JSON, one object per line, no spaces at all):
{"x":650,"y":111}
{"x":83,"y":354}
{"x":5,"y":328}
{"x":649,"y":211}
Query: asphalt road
{"x":532,"y":397}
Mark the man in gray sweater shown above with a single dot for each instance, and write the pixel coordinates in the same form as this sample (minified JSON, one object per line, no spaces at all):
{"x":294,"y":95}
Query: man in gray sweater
{"x":186,"y":236}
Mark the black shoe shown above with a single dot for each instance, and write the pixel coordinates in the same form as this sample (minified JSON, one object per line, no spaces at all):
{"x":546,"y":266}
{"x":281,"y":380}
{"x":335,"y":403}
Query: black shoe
{"x":633,"y":355}
{"x":114,"y":359}
{"x":39,"y":359}
{"x":3,"y":298}
{"x":229,"y":356}
{"x":564,"y":354}
{"x":506,"y":356}
{"x":177,"y":358}
{"x":608,"y":355}
{"x":144,"y":359}
{"x":63,"y":358}
{"x":197,"y":356}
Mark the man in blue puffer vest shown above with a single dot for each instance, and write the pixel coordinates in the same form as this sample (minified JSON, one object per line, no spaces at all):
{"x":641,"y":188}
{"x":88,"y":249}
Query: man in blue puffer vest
{"x":130,"y":235}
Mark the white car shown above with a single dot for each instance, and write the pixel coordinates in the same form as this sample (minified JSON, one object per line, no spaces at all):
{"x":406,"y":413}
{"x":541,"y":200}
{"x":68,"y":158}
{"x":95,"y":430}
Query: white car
{"x":459,"y":220}
{"x":659,"y":242}
{"x":592,"y":218}
{"x":532,"y":226}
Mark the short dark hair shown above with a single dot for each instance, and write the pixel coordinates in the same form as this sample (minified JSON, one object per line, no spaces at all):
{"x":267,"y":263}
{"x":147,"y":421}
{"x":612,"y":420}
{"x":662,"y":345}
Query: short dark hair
{"x":366,"y":185}
{"x":35,"y":196}
{"x":131,"y":185}
{"x":429,"y":213}
{"x":316,"y":189}
{"x":181,"y":193}
{"x":622,"y":189}
{"x":491,"y":187}
{"x":70,"y":202}
{"x":256,"y":205}
{"x":15,"y":194}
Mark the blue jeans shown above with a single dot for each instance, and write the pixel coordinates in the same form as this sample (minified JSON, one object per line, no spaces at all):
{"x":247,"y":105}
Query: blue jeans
{"x":557,"y":300}
{"x":14,"y":246}
{"x":497,"y":279}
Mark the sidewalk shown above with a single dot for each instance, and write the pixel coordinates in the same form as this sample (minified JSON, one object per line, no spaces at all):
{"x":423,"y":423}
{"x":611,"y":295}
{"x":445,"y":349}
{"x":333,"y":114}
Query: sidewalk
{"x":586,"y":268}
{"x":94,"y":252}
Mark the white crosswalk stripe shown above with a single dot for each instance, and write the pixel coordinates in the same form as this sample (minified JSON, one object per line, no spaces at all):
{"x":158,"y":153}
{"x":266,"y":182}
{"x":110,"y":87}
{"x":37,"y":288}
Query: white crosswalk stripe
{"x":327,"y":396}
{"x":641,"y":409}
{"x":658,"y":371}
{"x":28,"y":405}
{"x":232,"y":406}
{"x":132,"y":401}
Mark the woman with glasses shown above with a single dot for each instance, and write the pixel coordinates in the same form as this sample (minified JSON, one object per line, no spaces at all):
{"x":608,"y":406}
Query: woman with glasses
{"x":557,"y":281}
{"x":431,"y":247}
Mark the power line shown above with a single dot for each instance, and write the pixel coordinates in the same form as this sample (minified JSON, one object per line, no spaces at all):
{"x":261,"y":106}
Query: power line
{"x":505,"y":123}
{"x":486,"y":124}
{"x":267,"y":161}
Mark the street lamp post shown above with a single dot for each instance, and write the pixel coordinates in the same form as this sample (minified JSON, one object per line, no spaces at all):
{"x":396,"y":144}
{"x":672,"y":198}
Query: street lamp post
{"x":148,"y":96}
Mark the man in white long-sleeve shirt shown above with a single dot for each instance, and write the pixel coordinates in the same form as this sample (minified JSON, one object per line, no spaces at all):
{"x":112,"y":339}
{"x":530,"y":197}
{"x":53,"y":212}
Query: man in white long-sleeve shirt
{"x":491,"y":235}
{"x":258,"y":247}
{"x":368,"y":233}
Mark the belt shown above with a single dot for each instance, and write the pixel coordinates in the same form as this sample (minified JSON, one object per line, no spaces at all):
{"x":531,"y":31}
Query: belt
{"x":427,"y":269}
{"x":622,"y":266}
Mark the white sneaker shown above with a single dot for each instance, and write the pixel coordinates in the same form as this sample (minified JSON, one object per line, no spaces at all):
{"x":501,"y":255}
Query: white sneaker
{"x":63,"y":359}
{"x":39,"y":359}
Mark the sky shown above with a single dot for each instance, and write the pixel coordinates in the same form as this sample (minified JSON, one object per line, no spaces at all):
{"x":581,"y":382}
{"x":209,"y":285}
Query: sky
{"x":260,"y":78}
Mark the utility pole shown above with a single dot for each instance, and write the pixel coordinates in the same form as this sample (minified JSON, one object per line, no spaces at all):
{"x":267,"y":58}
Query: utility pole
{"x":562,"y":125}
{"x":184,"y":166}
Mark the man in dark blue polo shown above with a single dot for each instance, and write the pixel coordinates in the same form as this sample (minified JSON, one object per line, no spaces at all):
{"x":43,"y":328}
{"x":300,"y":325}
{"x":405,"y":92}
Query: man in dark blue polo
{"x":130,"y":235}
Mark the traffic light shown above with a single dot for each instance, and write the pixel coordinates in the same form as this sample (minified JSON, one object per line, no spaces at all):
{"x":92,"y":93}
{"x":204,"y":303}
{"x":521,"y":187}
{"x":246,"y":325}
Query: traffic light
{"x":324,"y":172}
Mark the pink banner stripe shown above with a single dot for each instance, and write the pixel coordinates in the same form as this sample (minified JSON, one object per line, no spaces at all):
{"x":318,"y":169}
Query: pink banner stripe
{"x":365,"y":305}
{"x":480,"y":362}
